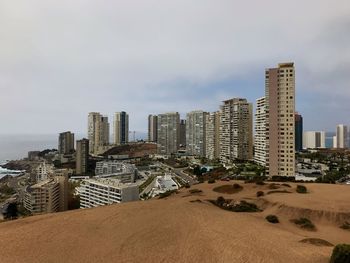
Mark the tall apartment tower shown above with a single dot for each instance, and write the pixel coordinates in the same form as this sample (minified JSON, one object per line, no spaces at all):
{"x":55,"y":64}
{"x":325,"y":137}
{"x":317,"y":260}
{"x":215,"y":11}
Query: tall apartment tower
{"x":182,"y":132}
{"x":82,"y":156}
{"x":195,"y":133}
{"x":168,"y":132}
{"x":66,"y":143}
{"x":298,"y":132}
{"x":280,"y":122}
{"x":98,"y":131}
{"x":212,"y":131}
{"x":314,"y":139}
{"x":152,"y":128}
{"x":121,"y":128}
{"x":260,"y":132}
{"x":236,"y":134}
{"x":342,"y":136}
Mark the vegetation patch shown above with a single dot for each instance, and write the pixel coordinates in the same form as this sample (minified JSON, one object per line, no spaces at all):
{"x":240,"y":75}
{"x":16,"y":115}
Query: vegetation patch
{"x":272,"y":219}
{"x":345,"y":225}
{"x":341,"y":254}
{"x":239,"y":206}
{"x":166,"y":194}
{"x":259,"y":193}
{"x":228,"y":189}
{"x":317,"y":242}
{"x":301,"y":189}
{"x":195,"y":191}
{"x":278,"y":192}
{"x":304,"y":223}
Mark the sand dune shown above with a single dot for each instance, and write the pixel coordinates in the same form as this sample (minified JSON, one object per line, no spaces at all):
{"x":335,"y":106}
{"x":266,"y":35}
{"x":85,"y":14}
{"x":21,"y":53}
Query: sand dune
{"x":178,"y":230}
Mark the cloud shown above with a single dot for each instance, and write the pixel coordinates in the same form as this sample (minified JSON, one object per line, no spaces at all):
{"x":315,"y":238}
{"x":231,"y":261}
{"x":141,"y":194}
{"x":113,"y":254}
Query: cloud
{"x":61,"y":60}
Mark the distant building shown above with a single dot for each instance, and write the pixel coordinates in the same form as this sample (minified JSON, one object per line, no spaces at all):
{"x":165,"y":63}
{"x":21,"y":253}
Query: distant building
{"x":335,"y":144}
{"x":125,"y":172}
{"x":236,"y":134}
{"x":121,"y":128}
{"x":43,"y":171}
{"x":182,"y":133}
{"x":342,"y":136}
{"x":298,"y":132}
{"x":280,"y":122}
{"x":66,"y":143}
{"x":152,"y":128}
{"x":260,"y":132}
{"x":195,"y":133}
{"x":314,"y":139}
{"x":212,"y":131}
{"x":82,"y":156}
{"x":168,"y":133}
{"x":47,"y":196}
{"x":33,"y":155}
{"x":98,"y":131}
{"x":163,"y":184}
{"x":99,"y":192}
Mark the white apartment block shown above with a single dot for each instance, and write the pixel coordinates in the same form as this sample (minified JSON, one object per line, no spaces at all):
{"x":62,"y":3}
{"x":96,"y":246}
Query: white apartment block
{"x":342,"y":136}
{"x":280,"y":120}
{"x":168,"y":133}
{"x":99,"y":192}
{"x":236,"y":134}
{"x":125,"y":172}
{"x":212,"y":131}
{"x":314,"y":139}
{"x":195,"y":133}
{"x":260,"y":132}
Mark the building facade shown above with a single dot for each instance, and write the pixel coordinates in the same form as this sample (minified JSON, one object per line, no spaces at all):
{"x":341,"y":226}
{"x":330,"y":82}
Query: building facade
{"x":125,"y":172}
{"x":98,"y":131}
{"x":82,"y":156}
{"x":260,"y":132}
{"x":236,"y":130}
{"x":152,"y":128}
{"x":342,"y":136}
{"x":121,"y":128}
{"x":298,"y":132}
{"x":212,"y":131}
{"x":314,"y":139}
{"x":99,"y":192}
{"x":195,"y":133}
{"x":66,"y":143}
{"x":183,"y":132}
{"x":280,"y":122}
{"x":168,"y":133}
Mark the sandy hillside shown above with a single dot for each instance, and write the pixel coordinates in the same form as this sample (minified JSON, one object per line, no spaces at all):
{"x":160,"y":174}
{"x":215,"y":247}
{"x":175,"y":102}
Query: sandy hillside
{"x":178,"y":230}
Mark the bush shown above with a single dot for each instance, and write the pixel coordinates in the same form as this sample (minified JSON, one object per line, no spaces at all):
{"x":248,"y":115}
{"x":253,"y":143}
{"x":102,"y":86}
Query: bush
{"x":259,"y":193}
{"x":272,"y":219}
{"x":211,"y":181}
{"x":220,"y":201}
{"x":187,"y":185}
{"x":237,"y":186}
{"x":304,"y":223}
{"x":273,"y":186}
{"x":341,"y":254}
{"x":301,"y":189}
{"x":244,"y":206}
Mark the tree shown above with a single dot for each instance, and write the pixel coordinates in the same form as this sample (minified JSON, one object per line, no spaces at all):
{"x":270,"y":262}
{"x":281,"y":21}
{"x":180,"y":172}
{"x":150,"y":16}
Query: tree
{"x":11,"y":211}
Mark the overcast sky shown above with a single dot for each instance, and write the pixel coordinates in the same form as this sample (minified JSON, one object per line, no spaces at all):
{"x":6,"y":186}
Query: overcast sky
{"x":60,"y":60}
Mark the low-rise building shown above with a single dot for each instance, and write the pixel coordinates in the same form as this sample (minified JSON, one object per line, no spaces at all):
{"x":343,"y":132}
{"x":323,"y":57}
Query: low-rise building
{"x":125,"y":172}
{"x":99,"y":192}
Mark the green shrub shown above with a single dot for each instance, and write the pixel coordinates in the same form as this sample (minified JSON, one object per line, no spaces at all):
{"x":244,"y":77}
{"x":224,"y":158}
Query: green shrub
{"x":304,"y":223}
{"x":244,"y":206}
{"x":301,"y":189}
{"x":272,"y":219}
{"x":259,"y":193}
{"x":341,"y":254}
{"x":211,"y":181}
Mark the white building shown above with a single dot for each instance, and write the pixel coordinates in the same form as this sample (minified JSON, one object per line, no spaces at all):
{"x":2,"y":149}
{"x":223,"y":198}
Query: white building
{"x":212,"y":132}
{"x":125,"y":172}
{"x":342,"y":136}
{"x":260,"y":132}
{"x":43,"y":171}
{"x":163,"y":184}
{"x":314,"y":139}
{"x":168,"y":133}
{"x":99,"y":192}
{"x":195,"y":132}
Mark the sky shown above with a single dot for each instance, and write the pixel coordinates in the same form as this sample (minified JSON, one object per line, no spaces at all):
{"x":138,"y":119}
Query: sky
{"x":60,"y":60}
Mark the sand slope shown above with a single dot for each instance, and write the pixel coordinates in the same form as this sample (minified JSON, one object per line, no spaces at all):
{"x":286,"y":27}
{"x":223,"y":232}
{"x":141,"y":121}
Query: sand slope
{"x":177,"y":230}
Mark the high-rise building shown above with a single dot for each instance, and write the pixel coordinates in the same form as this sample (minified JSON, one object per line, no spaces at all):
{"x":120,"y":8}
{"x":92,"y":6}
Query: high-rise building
{"x":280,"y":110}
{"x":168,"y":132}
{"x":66,"y":143}
{"x":314,"y":139}
{"x":98,"y":131}
{"x":82,"y":156}
{"x":212,"y":131}
{"x":298,"y":132}
{"x":121,"y":128}
{"x":334,"y":141}
{"x":236,"y":134}
{"x":152,"y":128}
{"x":260,"y":132}
{"x":195,"y":133}
{"x":342,"y":136}
{"x":182,"y":132}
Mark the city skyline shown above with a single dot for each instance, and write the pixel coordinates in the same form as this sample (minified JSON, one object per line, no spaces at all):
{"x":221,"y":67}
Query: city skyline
{"x":117,"y":58}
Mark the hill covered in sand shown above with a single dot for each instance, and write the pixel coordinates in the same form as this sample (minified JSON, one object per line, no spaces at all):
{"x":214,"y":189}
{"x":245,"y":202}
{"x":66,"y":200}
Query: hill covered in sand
{"x":186,"y":227}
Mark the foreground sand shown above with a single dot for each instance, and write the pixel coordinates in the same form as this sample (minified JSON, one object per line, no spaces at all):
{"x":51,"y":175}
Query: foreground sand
{"x":177,"y":230}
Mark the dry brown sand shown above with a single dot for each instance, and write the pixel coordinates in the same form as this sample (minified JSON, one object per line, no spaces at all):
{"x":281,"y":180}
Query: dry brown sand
{"x":177,"y":230}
